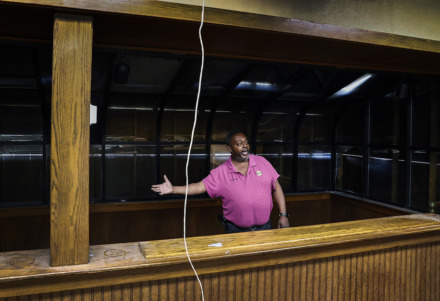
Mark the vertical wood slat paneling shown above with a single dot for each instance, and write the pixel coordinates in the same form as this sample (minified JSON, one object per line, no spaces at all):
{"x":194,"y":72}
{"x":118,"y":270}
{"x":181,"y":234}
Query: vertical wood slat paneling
{"x":353,"y":279}
{"x":239,"y":283}
{"x":215,"y":287}
{"x":172,"y":290}
{"x":328,"y":280}
{"x":407,"y":273}
{"x":388,"y":275}
{"x":246,"y":285}
{"x":97,"y":294}
{"x":417,"y":271}
{"x":206,"y":287}
{"x":359,"y":277}
{"x":127,"y":291}
{"x":316,"y":285}
{"x":145,"y":291}
{"x":428,"y":271}
{"x":396,"y":263}
{"x":435,"y":286}
{"x":283,"y":286}
{"x":231,"y":286}
{"x":252,"y":289}
{"x":154,"y":290}
{"x":70,"y":139}
{"x":223,"y":284}
{"x":310,"y":280}
{"x":411,"y":267}
{"x":260,"y":287}
{"x":163,"y":291}
{"x":340,"y":283}
{"x":276,"y":274}
{"x":117,"y":293}
{"x":296,"y":282}
{"x":435,"y":276}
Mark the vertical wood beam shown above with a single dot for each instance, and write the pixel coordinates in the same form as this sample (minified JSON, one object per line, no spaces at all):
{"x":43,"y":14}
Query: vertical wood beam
{"x":70,"y":140}
{"x":395,"y":155}
{"x":433,"y":143}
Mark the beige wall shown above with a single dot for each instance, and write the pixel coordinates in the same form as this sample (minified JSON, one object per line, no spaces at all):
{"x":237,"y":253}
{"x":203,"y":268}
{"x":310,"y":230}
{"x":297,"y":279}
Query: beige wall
{"x":416,"y":18}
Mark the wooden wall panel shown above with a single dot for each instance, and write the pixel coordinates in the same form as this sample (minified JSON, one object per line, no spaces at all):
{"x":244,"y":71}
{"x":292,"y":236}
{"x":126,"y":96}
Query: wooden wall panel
{"x":129,"y":222}
{"x":346,"y":208}
{"x":128,"y":226}
{"x":70,"y":139}
{"x":24,"y":232}
{"x":404,"y":273}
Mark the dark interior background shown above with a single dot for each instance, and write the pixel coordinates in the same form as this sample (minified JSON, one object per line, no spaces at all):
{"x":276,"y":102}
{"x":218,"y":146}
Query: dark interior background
{"x":378,"y":141}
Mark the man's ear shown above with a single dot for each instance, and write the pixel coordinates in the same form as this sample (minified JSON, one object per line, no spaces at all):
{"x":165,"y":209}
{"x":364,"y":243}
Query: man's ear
{"x":229,"y":148}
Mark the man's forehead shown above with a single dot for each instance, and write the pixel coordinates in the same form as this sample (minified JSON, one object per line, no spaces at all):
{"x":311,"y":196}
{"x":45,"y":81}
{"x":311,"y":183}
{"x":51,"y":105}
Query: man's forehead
{"x":239,"y":136}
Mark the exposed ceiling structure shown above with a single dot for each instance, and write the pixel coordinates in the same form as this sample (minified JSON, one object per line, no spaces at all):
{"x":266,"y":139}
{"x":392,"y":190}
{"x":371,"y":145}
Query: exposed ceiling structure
{"x":25,"y":81}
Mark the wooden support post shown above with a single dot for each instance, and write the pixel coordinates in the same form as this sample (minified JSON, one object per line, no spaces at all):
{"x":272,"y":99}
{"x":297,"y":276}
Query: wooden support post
{"x":434,"y":143}
{"x":395,"y":155}
{"x":70,"y":140}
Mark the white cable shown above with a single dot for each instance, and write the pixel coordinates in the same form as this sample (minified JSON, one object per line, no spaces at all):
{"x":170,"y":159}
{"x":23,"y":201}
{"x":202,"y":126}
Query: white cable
{"x":190,"y":146}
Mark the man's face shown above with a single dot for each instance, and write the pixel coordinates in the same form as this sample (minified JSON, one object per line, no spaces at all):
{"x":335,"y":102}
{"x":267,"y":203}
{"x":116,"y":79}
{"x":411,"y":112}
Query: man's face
{"x":239,"y":147}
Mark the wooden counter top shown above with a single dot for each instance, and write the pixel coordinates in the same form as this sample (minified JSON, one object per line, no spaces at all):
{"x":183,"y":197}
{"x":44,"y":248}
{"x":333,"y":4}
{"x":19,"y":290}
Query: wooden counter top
{"x":242,"y":244}
{"x":163,"y":259}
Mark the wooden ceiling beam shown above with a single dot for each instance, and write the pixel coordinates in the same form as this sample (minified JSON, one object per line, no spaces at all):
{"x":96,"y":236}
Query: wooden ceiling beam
{"x":170,"y":27}
{"x":213,"y":16}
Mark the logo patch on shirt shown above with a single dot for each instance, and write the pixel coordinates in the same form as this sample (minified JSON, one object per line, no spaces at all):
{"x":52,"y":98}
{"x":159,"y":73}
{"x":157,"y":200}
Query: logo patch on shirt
{"x":259,"y":173}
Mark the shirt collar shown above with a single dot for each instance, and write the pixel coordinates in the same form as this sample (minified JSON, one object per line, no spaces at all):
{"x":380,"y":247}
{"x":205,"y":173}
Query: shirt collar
{"x":231,"y":167}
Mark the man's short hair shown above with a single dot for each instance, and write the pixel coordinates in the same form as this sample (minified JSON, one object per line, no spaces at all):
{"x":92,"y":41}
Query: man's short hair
{"x":232,"y":134}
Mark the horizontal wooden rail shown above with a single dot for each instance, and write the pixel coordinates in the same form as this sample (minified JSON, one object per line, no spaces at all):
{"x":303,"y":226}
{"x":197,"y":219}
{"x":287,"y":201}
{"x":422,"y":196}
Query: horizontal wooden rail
{"x":310,"y":237}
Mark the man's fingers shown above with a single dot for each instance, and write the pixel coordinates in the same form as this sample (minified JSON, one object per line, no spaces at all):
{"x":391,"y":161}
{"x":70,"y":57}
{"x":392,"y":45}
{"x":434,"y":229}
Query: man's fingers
{"x":160,"y":187}
{"x":156,"y":188}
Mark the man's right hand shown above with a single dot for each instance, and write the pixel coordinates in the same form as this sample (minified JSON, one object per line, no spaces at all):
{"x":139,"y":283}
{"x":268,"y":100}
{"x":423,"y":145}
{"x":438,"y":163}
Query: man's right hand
{"x":164,"y":188}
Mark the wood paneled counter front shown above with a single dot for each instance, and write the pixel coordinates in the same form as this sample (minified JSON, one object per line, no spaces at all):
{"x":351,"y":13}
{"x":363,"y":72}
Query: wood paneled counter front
{"x":378,"y":259}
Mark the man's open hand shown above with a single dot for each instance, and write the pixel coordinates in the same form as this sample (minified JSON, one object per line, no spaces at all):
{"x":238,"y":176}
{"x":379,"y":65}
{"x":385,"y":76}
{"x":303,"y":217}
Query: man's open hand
{"x":164,"y":188}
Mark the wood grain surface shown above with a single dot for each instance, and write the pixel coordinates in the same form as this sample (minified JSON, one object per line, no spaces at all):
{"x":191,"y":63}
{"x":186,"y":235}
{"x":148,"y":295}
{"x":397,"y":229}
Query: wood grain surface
{"x":29,"y":227}
{"x":357,"y":277}
{"x":172,"y":28}
{"x":242,"y":244}
{"x":375,"y":259}
{"x":70,"y":140}
{"x":182,"y":12}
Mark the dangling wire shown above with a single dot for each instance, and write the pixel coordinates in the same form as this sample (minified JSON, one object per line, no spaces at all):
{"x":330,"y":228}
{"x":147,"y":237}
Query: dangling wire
{"x":190,"y":146}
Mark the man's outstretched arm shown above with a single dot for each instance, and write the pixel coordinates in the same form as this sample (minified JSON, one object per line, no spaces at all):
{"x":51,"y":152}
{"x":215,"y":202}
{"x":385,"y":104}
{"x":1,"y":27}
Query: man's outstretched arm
{"x":278,"y":196}
{"x":166,"y":188}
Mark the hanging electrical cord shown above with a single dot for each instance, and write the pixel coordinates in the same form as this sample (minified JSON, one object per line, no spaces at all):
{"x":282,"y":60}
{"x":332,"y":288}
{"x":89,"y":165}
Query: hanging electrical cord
{"x":190,"y":146}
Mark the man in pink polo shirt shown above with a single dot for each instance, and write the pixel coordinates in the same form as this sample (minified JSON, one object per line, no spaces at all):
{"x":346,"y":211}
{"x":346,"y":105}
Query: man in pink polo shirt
{"x":246,"y":183}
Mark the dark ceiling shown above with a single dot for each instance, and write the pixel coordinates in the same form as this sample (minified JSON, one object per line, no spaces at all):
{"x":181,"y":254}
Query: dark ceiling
{"x":28,"y":67}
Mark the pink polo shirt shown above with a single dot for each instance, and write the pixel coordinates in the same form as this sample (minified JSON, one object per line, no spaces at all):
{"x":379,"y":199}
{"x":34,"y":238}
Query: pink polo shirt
{"x":247,"y":199}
